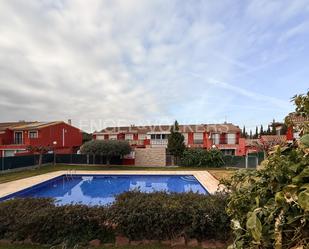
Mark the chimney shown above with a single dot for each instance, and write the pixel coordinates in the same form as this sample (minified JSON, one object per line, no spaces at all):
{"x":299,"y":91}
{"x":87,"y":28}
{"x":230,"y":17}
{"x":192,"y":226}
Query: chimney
{"x":70,"y":121}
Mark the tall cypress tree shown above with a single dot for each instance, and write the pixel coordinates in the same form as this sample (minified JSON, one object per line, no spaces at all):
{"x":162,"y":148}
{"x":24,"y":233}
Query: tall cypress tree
{"x":268,"y":131}
{"x":250,"y":136}
{"x":256,"y":135}
{"x":261,"y":130}
{"x":176,"y":145}
{"x":244,"y":132}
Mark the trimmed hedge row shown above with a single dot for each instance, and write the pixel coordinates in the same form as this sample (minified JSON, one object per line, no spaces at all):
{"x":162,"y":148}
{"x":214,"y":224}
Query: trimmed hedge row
{"x":41,"y":221}
{"x":136,"y":215}
{"x":161,"y":216}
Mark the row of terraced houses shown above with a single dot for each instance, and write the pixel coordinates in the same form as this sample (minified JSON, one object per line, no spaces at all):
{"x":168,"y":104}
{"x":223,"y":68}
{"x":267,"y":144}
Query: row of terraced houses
{"x":225,"y":137}
{"x":62,"y":137}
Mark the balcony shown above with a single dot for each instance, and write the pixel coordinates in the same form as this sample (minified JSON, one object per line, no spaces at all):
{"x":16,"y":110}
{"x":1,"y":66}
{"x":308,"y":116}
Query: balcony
{"x":158,"y":142}
{"x":225,"y":141}
{"x":136,"y":142}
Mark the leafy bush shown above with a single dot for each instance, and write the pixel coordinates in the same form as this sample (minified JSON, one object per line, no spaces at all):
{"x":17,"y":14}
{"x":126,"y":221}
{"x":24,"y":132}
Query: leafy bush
{"x":107,"y":148}
{"x":270,"y":207}
{"x":134,"y":214}
{"x":43,"y":222}
{"x":165,"y":216}
{"x":198,"y":157}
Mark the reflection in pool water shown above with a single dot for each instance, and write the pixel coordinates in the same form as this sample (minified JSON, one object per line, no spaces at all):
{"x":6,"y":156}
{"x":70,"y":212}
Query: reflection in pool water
{"x":102,"y":189}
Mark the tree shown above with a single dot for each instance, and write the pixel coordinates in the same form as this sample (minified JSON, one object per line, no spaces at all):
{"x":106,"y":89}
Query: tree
{"x":267,"y":144}
{"x":86,"y":137}
{"x":244,"y":133}
{"x":41,"y":150}
{"x":176,"y":145}
{"x":268,"y":132}
{"x":250,"y":136}
{"x":256,"y":135}
{"x":301,"y":101}
{"x":107,"y":148}
{"x":269,"y":207}
{"x":261,"y":130}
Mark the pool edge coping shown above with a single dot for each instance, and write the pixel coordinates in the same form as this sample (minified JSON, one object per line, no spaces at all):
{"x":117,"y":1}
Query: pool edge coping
{"x":207,"y":180}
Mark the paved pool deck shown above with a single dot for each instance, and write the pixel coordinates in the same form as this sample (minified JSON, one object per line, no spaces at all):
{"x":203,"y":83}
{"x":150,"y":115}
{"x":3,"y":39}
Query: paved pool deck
{"x":204,"y":177}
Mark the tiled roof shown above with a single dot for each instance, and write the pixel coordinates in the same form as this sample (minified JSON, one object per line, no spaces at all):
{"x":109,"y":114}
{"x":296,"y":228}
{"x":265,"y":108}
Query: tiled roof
{"x":23,"y":125}
{"x":271,"y":138}
{"x":226,"y":127}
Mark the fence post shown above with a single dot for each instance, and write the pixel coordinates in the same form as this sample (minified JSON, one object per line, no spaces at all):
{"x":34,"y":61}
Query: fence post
{"x":2,"y":161}
{"x":246,"y":161}
{"x":87,"y":158}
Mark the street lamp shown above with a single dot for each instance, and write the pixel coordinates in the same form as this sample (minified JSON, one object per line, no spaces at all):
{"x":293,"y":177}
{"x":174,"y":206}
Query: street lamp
{"x":54,"y":147}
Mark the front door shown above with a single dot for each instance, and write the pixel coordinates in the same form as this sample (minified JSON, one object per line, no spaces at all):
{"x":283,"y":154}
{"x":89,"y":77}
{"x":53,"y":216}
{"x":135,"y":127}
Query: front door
{"x":18,"y":137}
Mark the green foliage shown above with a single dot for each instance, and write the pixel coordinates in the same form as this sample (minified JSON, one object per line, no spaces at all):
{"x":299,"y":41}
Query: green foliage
{"x":162,"y":216}
{"x":86,"y":137}
{"x":269,"y":207}
{"x":198,"y":157}
{"x":107,"y":148}
{"x":176,"y":145}
{"x":301,"y":102}
{"x":137,"y":215}
{"x":45,"y":223}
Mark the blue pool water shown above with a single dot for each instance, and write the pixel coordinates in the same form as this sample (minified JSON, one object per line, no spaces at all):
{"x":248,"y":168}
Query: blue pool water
{"x":102,"y":189}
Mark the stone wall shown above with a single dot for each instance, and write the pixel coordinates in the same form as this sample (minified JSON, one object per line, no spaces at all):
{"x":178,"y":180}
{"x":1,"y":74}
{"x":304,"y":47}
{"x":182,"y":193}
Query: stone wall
{"x":150,"y":156}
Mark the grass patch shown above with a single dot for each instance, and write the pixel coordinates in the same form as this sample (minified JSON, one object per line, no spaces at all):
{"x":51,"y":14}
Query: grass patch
{"x":11,"y":176}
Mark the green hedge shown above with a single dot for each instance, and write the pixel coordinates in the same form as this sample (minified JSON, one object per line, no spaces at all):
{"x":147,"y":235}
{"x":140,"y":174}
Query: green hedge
{"x":160,"y":216}
{"x":198,"y":157}
{"x":43,"y":222}
{"x":134,"y":214}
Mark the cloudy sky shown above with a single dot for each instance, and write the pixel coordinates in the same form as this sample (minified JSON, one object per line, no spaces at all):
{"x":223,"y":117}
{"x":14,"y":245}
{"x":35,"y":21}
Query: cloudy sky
{"x":141,"y":61}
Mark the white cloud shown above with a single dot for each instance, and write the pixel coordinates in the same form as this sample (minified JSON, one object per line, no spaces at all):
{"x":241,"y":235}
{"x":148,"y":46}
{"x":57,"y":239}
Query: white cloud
{"x":127,"y":60}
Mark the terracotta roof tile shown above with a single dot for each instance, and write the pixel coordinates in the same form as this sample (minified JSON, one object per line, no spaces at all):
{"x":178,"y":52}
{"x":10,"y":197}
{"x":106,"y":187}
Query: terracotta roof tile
{"x":220,"y":128}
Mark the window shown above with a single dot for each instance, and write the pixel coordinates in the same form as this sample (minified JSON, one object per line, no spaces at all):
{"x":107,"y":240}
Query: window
{"x":186,"y":138}
{"x":215,"y":138}
{"x":198,"y":138}
{"x":18,"y":137}
{"x":142,"y":136}
{"x":230,"y":152}
{"x":158,"y":136}
{"x":112,"y":137}
{"x":99,"y":137}
{"x":231,"y":138}
{"x":33,"y":134}
{"x":128,"y":136}
{"x":153,"y":136}
{"x":164,"y":136}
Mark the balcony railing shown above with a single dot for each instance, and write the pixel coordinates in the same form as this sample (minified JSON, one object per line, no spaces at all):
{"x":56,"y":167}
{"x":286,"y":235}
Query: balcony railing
{"x":225,"y":141}
{"x":136,"y":142}
{"x":158,"y":141}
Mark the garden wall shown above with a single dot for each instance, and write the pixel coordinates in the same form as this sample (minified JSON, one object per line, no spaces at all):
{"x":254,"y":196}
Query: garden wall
{"x":150,"y":157}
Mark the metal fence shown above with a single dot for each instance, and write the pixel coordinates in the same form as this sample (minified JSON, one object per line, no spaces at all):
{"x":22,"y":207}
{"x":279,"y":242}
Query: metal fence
{"x":249,"y":161}
{"x":17,"y":162}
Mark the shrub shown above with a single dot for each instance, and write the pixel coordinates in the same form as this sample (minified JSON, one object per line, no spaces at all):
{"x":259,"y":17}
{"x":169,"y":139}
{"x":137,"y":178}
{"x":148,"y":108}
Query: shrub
{"x":43,"y":222}
{"x":136,"y":215}
{"x":198,"y":157}
{"x":269,"y":208}
{"x":161,"y":216}
{"x":107,"y":148}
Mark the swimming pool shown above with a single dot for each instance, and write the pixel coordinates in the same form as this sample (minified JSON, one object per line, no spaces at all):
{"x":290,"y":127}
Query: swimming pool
{"x":102,"y":189}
